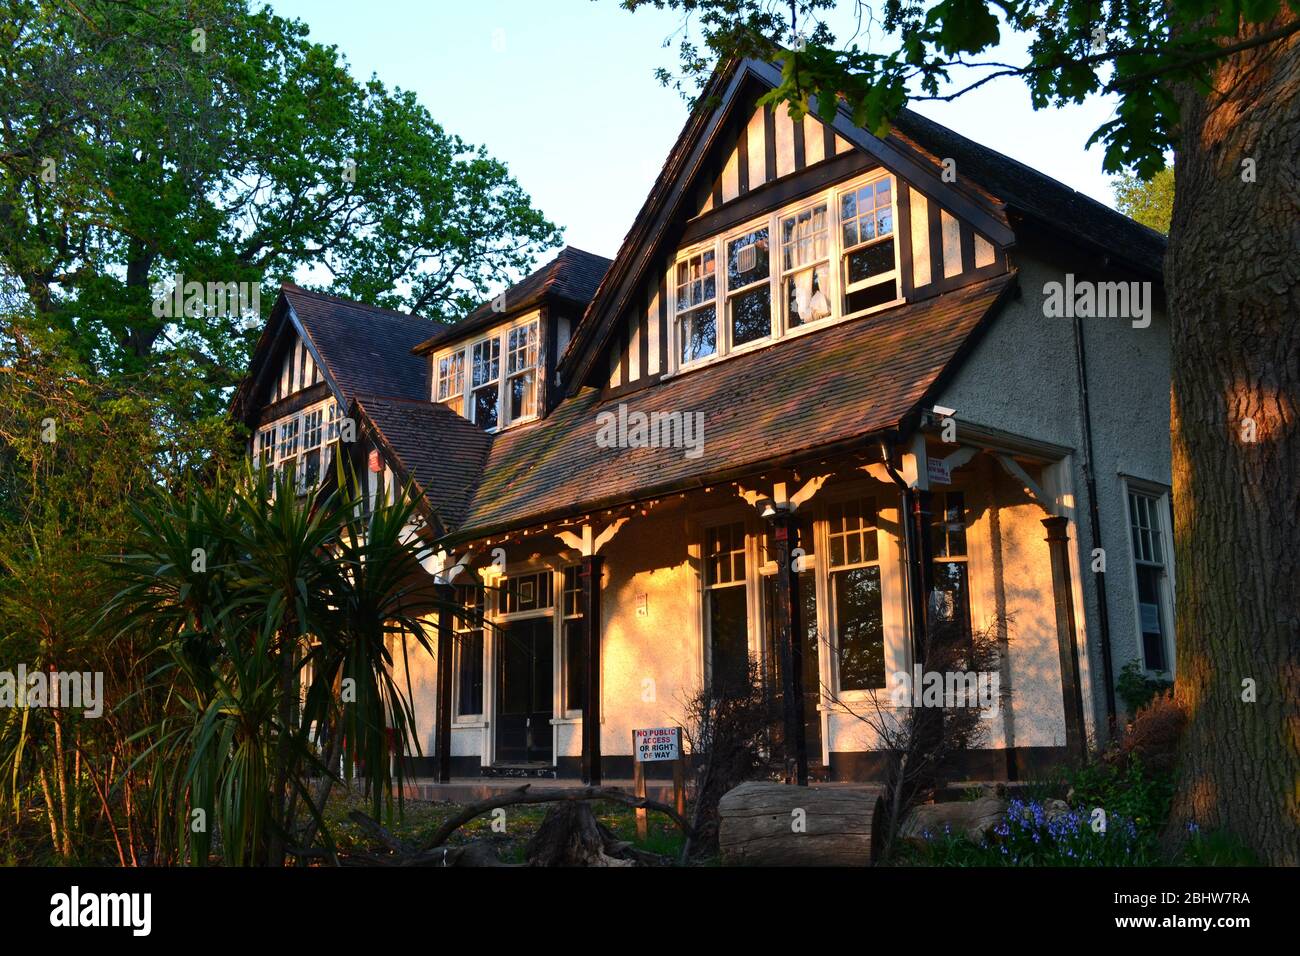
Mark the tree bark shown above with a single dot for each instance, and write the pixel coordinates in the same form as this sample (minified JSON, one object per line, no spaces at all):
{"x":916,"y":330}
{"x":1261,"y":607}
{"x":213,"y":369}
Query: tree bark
{"x":1233,"y":279}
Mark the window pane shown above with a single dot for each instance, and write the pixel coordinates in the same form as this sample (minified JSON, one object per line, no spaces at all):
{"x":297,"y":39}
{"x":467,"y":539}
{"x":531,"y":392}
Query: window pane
{"x":950,"y":599}
{"x":471,"y":673}
{"x":487,"y":362}
{"x":870,"y":261}
{"x":803,"y":237}
{"x":861,"y":637}
{"x":575,"y":665}
{"x":485,"y":406}
{"x":522,"y":396}
{"x":807,"y":296}
{"x":1151,"y":616}
{"x":729,"y":640}
{"x":751,"y":315}
{"x":747,"y":259}
{"x":698,"y":331}
{"x":870,"y":297}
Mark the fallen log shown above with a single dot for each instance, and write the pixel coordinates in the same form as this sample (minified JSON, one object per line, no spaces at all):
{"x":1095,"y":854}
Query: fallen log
{"x":773,"y":824}
{"x":524,"y":795}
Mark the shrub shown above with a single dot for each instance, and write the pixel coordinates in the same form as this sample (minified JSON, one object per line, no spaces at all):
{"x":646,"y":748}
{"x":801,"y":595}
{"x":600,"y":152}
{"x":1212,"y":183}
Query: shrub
{"x":1137,"y":689}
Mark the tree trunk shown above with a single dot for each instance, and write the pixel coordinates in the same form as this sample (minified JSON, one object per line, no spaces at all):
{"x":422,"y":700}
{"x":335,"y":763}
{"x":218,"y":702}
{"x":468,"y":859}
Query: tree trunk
{"x":1233,"y":277}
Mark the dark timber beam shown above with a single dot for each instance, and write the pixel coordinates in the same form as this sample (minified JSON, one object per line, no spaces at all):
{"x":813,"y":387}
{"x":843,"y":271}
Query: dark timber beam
{"x":445,"y":595}
{"x":1058,"y":539}
{"x":785,"y":531}
{"x":589,"y":577}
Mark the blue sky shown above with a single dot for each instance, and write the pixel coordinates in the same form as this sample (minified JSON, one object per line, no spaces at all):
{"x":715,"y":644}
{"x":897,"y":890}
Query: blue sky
{"x":564,"y":92}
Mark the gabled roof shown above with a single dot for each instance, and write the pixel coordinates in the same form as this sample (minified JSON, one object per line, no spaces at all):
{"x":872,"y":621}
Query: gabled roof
{"x":1038,"y":196}
{"x":432,"y":446}
{"x":363,"y":349}
{"x":570,"y":278}
{"x":839,"y":386}
{"x":990,"y":183}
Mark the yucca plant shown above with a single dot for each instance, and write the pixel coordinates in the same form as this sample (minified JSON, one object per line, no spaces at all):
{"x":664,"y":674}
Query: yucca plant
{"x":273,"y":616}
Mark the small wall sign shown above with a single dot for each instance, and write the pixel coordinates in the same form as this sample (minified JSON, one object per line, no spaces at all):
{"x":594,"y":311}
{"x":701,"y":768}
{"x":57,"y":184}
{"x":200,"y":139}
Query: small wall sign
{"x":657,"y":743}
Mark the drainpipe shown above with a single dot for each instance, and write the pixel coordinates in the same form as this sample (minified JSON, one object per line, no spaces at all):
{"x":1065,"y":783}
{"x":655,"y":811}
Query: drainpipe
{"x":1094,"y":522}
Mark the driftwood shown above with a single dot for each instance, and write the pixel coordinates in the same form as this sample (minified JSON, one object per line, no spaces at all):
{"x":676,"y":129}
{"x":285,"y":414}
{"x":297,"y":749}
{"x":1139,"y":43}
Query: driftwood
{"x":524,"y":795}
{"x":772,"y":824}
{"x":572,"y":836}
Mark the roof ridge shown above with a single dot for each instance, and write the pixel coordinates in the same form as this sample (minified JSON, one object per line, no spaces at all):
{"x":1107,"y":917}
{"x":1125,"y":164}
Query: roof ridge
{"x":292,"y":287}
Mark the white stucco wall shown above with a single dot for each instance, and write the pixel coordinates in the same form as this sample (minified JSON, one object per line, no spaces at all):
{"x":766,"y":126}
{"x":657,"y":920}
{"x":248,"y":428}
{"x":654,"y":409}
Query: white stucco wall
{"x":1021,"y":378}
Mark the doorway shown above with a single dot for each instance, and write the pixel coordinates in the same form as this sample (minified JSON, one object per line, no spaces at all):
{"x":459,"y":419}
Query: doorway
{"x":525,"y":692}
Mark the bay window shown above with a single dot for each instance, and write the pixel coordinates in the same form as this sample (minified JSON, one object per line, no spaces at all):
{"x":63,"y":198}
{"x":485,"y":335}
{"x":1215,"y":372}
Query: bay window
{"x":828,"y":257}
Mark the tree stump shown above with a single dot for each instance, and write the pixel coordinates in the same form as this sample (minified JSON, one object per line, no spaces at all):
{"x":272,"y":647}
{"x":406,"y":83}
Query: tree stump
{"x":772,"y":824}
{"x":970,"y":818}
{"x":570,"y":835}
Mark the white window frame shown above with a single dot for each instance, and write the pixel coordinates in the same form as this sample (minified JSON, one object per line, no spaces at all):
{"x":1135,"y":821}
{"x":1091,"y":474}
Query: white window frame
{"x":327,"y":428}
{"x":465,"y":352}
{"x":835,"y":261}
{"x":1159,"y":494}
{"x":679,"y":314}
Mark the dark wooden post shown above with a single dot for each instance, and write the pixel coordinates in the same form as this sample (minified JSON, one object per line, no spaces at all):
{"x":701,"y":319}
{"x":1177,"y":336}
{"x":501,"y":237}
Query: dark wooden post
{"x":785,"y":532}
{"x":922,"y":560}
{"x":589,"y":576}
{"x":1058,"y":539}
{"x":446,"y":596}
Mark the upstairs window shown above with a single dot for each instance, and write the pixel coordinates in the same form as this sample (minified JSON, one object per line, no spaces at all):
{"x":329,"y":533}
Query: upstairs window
{"x":300,"y":443}
{"x":828,"y":257}
{"x":521,"y":369}
{"x":697,"y":311}
{"x":870,"y":274}
{"x":805,"y":261}
{"x":493,"y":393}
{"x":749,"y":291}
{"x":451,"y":381}
{"x":486,"y":382}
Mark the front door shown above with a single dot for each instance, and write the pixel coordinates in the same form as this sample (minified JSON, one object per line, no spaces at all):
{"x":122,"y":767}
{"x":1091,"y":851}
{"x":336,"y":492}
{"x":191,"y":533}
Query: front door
{"x":525,"y":692}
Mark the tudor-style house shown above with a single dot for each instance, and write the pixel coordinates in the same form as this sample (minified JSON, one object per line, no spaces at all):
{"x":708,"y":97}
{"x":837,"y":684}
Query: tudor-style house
{"x":814,"y":408}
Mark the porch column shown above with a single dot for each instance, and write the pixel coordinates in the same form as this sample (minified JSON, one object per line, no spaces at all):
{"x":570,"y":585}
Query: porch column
{"x":589,"y":576}
{"x":445,"y":595}
{"x":1058,"y":539}
{"x":789,"y":632}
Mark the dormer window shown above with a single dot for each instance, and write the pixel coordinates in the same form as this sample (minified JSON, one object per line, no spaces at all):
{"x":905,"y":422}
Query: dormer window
{"x":490,"y":395}
{"x":828,"y":257}
{"x":302,"y":442}
{"x":451,"y":382}
{"x":486,"y":367}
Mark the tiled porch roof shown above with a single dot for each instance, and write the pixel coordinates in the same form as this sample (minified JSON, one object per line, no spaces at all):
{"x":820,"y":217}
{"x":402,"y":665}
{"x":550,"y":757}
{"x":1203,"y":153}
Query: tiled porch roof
{"x":791,"y":399}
